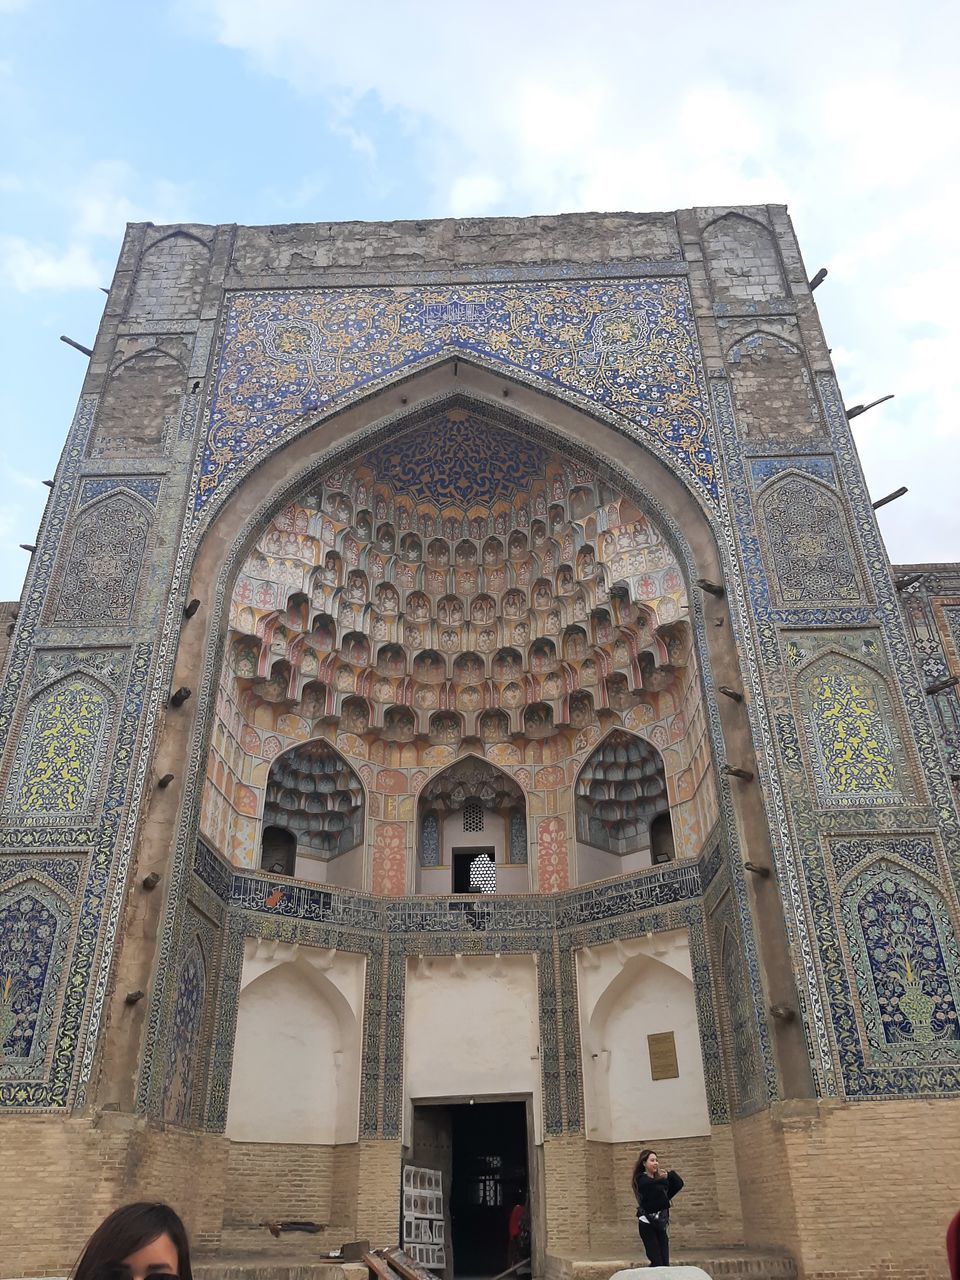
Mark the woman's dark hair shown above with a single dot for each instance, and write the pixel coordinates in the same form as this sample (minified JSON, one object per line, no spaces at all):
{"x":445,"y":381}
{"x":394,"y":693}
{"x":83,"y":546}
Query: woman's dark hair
{"x":126,"y":1231}
{"x":638,"y":1168}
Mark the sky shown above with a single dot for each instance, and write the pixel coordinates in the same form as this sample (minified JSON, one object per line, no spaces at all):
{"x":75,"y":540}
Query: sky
{"x":265,"y":111}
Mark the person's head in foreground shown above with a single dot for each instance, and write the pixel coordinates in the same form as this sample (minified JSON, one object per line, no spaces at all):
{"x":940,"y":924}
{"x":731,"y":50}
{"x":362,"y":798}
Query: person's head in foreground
{"x":136,"y":1242}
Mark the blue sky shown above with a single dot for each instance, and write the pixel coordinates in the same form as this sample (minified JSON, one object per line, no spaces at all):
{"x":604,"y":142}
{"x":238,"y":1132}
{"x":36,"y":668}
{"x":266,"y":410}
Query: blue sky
{"x":298,"y":110}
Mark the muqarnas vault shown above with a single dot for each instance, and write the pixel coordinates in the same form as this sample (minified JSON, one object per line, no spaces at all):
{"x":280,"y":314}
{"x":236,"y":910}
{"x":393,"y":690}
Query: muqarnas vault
{"x":461,"y":715}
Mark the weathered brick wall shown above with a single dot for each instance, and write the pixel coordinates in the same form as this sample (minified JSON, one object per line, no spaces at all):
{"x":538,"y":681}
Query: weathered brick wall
{"x":79,"y":1170}
{"x":707,"y":1212}
{"x":451,"y":243}
{"x":267,"y":1181}
{"x":377,"y":1195}
{"x":829,"y":1182}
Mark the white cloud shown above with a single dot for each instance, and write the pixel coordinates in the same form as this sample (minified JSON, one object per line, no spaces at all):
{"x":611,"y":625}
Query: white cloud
{"x":474,"y":194}
{"x":28,"y":266}
{"x":100,"y":202}
{"x":93,"y":207}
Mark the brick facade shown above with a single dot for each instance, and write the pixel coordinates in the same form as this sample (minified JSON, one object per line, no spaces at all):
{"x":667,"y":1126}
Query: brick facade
{"x":255,"y":506}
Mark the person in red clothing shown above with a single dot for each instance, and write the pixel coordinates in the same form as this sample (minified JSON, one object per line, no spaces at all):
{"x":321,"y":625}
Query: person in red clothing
{"x":518,"y":1234}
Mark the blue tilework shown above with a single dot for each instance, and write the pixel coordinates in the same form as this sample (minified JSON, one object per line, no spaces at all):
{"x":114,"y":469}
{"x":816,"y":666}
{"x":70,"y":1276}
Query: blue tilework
{"x":147,"y":488}
{"x":184,"y":1043}
{"x":34,"y":926}
{"x":627,"y":346}
{"x":459,"y":461}
{"x":762,"y":469}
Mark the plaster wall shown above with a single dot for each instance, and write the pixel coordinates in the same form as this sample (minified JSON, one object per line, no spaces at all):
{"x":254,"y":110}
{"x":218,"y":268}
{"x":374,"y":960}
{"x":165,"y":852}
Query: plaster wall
{"x":599,"y":864}
{"x":453,"y":836}
{"x":471,"y":1028}
{"x":346,"y":869}
{"x":627,"y":992}
{"x":296,"y":1064}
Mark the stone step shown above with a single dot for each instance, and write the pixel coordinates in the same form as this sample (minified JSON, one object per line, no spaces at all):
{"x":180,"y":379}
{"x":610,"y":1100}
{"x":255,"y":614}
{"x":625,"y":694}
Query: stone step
{"x":720,"y":1264}
{"x":268,"y":1266}
{"x":253,"y":1254}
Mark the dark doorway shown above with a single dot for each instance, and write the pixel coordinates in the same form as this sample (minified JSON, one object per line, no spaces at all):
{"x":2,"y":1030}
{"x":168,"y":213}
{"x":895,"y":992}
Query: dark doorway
{"x":481,"y":1152}
{"x":278,"y":851}
{"x":489,"y":1178}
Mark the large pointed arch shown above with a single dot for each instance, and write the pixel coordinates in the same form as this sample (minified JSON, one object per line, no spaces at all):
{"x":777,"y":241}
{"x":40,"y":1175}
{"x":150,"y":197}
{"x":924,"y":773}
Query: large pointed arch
{"x":629,"y":464}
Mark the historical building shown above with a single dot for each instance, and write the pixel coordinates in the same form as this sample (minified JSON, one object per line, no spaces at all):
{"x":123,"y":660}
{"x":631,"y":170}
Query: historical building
{"x":461,"y":715}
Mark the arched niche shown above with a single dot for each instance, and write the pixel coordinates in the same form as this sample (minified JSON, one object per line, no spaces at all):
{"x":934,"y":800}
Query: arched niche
{"x":666,"y":543}
{"x":313,"y":816}
{"x":620,"y":794}
{"x":296,"y":1057}
{"x":99,"y":578}
{"x":726,"y":241}
{"x":772,"y":388}
{"x":472,"y":831}
{"x":278,"y":851}
{"x":140,"y":401}
{"x":807,"y":544}
{"x":629,"y":992}
{"x":179,"y":256}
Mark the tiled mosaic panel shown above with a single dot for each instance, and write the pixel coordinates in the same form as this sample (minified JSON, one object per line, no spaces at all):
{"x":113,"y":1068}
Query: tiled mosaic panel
{"x":867,"y":790}
{"x":808,"y":546}
{"x":907,"y":964}
{"x":429,"y":841}
{"x":627,"y":346}
{"x":41,"y":1086}
{"x":853,"y":754}
{"x":518,"y":838}
{"x":461,"y":465}
{"x":185,"y":1027}
{"x":64,"y":739}
{"x":762,"y":469}
{"x":145,"y":487}
{"x":34,"y":929}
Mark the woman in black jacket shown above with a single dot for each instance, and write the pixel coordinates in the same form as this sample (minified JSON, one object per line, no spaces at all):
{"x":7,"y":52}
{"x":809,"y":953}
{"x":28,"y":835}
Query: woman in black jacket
{"x":654,"y":1189}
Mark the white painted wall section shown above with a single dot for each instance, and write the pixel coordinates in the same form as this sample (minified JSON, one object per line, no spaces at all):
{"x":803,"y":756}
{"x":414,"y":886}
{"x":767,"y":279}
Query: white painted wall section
{"x":629,"y":990}
{"x":296,"y":1063}
{"x":471,"y":1029}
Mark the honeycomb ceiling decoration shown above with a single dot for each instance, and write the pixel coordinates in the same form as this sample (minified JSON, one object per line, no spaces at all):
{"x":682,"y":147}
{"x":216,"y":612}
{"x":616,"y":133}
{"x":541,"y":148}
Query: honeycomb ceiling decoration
{"x":314,"y":793}
{"x":620,"y":790}
{"x":471,"y":779}
{"x":459,"y":582}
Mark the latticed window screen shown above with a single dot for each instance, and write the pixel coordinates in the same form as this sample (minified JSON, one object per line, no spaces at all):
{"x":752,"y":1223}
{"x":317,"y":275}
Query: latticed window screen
{"x":483,"y":874}
{"x":473,"y":815}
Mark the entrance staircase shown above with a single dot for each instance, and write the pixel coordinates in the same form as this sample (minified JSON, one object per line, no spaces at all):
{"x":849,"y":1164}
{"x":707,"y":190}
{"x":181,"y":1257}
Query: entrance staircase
{"x":719,"y":1264}
{"x":249,"y":1253}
